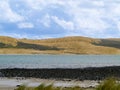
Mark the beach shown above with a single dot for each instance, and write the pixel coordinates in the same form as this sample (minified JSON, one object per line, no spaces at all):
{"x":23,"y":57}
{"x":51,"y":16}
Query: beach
{"x":12,"y":83}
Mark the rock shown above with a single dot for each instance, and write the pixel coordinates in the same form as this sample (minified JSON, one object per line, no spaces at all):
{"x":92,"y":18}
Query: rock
{"x":1,"y":75}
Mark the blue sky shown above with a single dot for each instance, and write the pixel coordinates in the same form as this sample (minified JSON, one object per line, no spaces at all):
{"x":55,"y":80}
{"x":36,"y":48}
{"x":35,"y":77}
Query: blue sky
{"x":60,"y":18}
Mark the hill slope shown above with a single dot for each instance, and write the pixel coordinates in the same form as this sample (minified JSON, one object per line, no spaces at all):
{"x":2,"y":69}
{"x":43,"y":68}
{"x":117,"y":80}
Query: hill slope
{"x":66,"y":45}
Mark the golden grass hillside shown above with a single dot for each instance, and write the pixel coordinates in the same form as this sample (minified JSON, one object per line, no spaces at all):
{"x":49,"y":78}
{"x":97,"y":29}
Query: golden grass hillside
{"x":66,"y":45}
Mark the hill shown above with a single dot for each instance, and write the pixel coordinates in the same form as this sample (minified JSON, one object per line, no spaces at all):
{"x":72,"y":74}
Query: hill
{"x":66,"y":45}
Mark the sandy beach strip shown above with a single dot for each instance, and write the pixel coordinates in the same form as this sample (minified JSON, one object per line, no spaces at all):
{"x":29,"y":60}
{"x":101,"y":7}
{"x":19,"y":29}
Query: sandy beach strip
{"x":12,"y":83}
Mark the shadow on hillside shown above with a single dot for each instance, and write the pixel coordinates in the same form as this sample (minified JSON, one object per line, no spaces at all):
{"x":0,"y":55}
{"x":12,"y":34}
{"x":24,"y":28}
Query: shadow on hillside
{"x":34,"y":46}
{"x":28,"y":46}
{"x":108,"y":43}
{"x":2,"y":45}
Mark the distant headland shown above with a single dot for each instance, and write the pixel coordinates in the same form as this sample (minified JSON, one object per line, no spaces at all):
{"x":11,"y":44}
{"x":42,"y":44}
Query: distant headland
{"x":65,"y":45}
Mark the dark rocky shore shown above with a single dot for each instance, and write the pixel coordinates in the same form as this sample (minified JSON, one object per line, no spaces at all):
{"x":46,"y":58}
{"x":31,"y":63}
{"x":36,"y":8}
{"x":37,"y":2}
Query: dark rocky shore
{"x":92,"y":73}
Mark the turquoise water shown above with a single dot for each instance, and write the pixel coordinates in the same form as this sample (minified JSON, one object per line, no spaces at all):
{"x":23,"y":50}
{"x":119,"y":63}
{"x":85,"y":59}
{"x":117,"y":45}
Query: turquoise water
{"x":58,"y":61}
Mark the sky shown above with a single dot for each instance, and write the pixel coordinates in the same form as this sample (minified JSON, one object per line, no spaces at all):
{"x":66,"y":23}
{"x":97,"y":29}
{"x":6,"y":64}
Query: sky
{"x":38,"y":19}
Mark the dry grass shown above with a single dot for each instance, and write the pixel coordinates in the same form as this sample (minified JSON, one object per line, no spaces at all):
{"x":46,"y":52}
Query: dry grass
{"x":71,"y":45}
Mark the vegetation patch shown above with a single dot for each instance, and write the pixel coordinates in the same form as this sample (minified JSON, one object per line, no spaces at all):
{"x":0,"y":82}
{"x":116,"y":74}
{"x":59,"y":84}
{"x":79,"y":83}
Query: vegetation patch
{"x":108,"y":84}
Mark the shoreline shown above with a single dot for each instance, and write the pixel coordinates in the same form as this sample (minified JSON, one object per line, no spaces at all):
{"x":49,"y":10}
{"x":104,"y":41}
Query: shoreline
{"x":83,"y":77}
{"x":13,"y":83}
{"x":59,"y":54}
{"x":89,"y":73}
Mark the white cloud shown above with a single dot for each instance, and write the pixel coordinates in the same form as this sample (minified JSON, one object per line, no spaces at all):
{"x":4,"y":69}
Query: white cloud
{"x":25,"y":25}
{"x":46,"y":21}
{"x":84,"y":16}
{"x":114,"y":10}
{"x":92,"y":25}
{"x":35,"y":4}
{"x":6,"y":13}
{"x":98,"y":3}
{"x":65,"y":24}
{"x":40,"y":4}
{"x":118,"y":25}
{"x":87,"y":18}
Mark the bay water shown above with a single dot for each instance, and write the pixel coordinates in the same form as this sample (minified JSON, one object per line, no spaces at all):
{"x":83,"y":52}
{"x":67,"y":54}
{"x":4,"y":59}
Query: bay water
{"x":58,"y":61}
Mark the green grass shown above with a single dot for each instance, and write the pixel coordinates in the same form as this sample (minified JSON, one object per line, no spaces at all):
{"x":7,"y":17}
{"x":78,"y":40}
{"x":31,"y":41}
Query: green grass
{"x":22,"y":87}
{"x":49,"y":87}
{"x":108,"y":84}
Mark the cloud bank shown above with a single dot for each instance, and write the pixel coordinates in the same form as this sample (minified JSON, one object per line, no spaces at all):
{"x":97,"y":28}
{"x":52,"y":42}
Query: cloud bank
{"x":59,"y":18}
